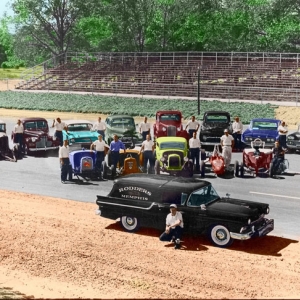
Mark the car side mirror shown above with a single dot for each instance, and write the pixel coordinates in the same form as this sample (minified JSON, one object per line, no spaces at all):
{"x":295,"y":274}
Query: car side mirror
{"x":183,"y":198}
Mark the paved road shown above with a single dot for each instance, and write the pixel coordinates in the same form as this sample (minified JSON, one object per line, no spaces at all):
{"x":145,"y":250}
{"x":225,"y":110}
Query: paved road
{"x":41,"y":175}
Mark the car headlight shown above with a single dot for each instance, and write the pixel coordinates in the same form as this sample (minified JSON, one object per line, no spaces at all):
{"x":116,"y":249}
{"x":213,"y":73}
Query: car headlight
{"x":267,"y":211}
{"x":204,"y":138}
{"x":72,"y":140}
{"x":186,"y":159}
{"x":268,"y":140}
{"x":290,"y":137}
{"x":249,"y":221}
{"x":162,"y":159}
{"x":178,"y":129}
{"x":33,"y":139}
{"x":248,"y":138}
{"x":272,"y":140}
{"x":164,"y":129}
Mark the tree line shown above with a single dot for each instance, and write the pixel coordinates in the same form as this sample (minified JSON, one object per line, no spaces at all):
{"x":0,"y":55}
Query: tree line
{"x":46,"y":28}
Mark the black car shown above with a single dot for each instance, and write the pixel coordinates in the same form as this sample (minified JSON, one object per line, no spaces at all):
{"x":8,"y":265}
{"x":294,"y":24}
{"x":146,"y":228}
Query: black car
{"x":212,"y":127}
{"x":144,"y":200}
{"x":293,"y":140}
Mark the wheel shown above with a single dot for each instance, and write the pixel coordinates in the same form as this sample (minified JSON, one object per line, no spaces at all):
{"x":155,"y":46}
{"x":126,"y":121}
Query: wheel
{"x":236,"y":169}
{"x":271,"y":171}
{"x":219,"y":235}
{"x":113,"y":171}
{"x":104,"y":170}
{"x":157,"y":167}
{"x":242,"y":170}
{"x":26,"y":150}
{"x":109,"y":157}
{"x":202,"y":168}
{"x":130,"y":224}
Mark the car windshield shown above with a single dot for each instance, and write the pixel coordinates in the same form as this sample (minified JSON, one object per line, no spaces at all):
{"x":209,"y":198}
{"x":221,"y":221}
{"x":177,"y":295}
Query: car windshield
{"x":217,"y":118}
{"x":263,"y":125}
{"x":122,"y":122}
{"x":35,"y":125}
{"x":80,"y":127}
{"x":172,"y":145}
{"x":170,"y":117}
{"x":2,"y":127}
{"x":203,"y":196}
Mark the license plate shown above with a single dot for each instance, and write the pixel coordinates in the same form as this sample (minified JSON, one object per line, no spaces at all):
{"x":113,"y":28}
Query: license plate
{"x":268,"y":227}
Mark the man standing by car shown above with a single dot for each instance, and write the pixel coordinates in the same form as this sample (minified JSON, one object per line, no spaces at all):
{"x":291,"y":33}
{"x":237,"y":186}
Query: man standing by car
{"x":227,"y":143}
{"x":282,"y":131}
{"x":194,"y":144}
{"x":148,"y":148}
{"x":237,"y":128}
{"x":100,"y":127}
{"x":66,"y":168}
{"x":114,"y":148}
{"x":99,"y":145}
{"x":145,"y":128}
{"x":59,"y":127}
{"x":193,"y":126}
{"x":174,"y":227}
{"x":278,"y":157}
{"x":18,"y":137}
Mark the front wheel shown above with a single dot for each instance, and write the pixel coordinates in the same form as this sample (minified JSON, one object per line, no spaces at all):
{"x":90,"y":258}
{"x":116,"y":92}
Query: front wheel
{"x":157,"y":167}
{"x":202,"y":168}
{"x":271,"y":170}
{"x":130,"y":224}
{"x":219,"y":235}
{"x":104,"y":170}
{"x":236,"y":169}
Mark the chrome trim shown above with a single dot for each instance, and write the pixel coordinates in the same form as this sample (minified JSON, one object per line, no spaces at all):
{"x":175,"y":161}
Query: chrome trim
{"x":41,"y":149}
{"x":241,"y":236}
{"x":130,"y":206}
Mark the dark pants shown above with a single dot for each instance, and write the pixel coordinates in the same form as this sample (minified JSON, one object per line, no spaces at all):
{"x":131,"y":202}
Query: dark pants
{"x":99,"y":160}
{"x":174,"y":232}
{"x":66,"y":169}
{"x":282,"y":140}
{"x":19,"y":140}
{"x":191,"y":131}
{"x":276,"y":162}
{"x":237,"y":140}
{"x":59,"y":135}
{"x":194,"y":153}
{"x":102,"y":133}
{"x":148,"y":156}
{"x":144,"y":134}
{"x":115,"y":156}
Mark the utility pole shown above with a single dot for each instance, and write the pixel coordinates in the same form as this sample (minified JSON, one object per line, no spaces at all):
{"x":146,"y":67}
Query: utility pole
{"x":198,"y":91}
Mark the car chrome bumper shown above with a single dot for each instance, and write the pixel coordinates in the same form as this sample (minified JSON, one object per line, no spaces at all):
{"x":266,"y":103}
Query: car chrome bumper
{"x":43,"y":149}
{"x":263,"y":230}
{"x":209,"y":143}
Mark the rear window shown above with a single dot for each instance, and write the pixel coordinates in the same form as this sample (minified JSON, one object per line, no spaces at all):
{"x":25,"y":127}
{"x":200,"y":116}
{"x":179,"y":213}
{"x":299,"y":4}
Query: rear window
{"x":217,"y":118}
{"x":171,"y":117}
{"x":122,"y":122}
{"x":257,"y":125}
{"x":34,"y":125}
{"x":80,"y":127}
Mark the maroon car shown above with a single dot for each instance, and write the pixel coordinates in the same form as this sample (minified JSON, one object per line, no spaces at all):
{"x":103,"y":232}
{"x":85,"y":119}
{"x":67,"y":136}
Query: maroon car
{"x":169,"y":123}
{"x":36,"y":135}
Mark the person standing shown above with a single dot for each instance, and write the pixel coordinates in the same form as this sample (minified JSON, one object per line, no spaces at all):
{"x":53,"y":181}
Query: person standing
{"x":59,"y":127}
{"x":227,"y":143}
{"x":145,"y":128}
{"x":237,"y":128}
{"x":66,"y":168}
{"x":193,"y":126}
{"x":99,"y":145}
{"x":18,"y":137}
{"x":278,"y":155}
{"x":174,"y":227}
{"x":114,"y":148}
{"x":282,"y":131}
{"x":194,"y":144}
{"x":148,"y":148}
{"x":100,"y":127}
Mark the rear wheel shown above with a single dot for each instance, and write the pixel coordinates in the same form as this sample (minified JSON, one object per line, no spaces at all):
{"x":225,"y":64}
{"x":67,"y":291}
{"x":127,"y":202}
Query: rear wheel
{"x":271,"y":170}
{"x":242,"y":170}
{"x":113,"y":171}
{"x":202,"y":168}
{"x":130,"y":224}
{"x":104,"y":170}
{"x":157,"y":167}
{"x":236,"y":169}
{"x":219,"y":235}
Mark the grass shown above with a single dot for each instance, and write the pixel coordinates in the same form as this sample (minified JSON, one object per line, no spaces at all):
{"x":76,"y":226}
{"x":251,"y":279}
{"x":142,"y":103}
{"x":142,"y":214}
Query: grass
{"x":11,"y":73}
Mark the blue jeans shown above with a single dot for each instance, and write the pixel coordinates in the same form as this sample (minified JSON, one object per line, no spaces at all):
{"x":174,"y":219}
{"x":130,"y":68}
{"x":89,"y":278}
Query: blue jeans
{"x":59,"y":135}
{"x":174,"y":232}
{"x":66,"y":169}
{"x":102,"y":133}
{"x":237,"y":140}
{"x":194,"y":152}
{"x":99,"y":160}
{"x":191,"y":131}
{"x":115,"y":156}
{"x":19,"y":139}
{"x":144,"y":134}
{"x":148,"y":155}
{"x":282,"y":140}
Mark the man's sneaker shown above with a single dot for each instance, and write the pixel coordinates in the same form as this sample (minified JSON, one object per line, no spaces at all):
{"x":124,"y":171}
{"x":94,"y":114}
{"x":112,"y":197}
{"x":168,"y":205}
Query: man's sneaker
{"x":63,"y":181}
{"x":177,"y":244}
{"x":173,"y":239}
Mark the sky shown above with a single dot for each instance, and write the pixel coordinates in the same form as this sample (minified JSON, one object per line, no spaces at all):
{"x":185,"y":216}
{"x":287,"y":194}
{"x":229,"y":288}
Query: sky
{"x":4,"y":8}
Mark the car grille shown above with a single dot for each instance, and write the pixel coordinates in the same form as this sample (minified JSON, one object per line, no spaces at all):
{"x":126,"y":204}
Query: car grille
{"x":174,"y":161}
{"x":86,"y":164}
{"x":43,"y":143}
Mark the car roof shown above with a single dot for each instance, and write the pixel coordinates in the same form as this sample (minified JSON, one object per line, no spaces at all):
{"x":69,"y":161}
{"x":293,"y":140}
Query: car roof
{"x":170,"y":139}
{"x":68,"y":122}
{"x":221,"y":112}
{"x":120,"y":116}
{"x":32,"y":119}
{"x":266,"y":120}
{"x":162,"y":112}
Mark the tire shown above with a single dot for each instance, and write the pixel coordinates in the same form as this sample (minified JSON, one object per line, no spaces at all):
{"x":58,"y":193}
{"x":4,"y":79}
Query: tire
{"x":202,"y":168}
{"x":271,"y":172}
{"x":104,"y":170}
{"x":113,"y":171}
{"x":157,"y":167}
{"x":219,"y":235}
{"x":130,"y":224}
{"x":27,"y":151}
{"x":242,"y":170}
{"x":109,"y":158}
{"x":236,"y":169}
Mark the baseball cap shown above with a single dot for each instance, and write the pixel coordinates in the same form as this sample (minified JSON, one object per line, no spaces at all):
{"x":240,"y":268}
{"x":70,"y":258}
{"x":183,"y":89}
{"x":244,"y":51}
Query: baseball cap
{"x":225,"y":130}
{"x":173,"y":205}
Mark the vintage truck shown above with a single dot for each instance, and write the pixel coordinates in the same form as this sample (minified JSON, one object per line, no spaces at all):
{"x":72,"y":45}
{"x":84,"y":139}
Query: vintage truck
{"x":144,"y":200}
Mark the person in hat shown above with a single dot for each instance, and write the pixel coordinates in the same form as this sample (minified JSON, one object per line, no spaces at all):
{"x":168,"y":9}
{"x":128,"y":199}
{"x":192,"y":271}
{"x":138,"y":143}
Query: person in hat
{"x":227,"y":143}
{"x":174,"y":227}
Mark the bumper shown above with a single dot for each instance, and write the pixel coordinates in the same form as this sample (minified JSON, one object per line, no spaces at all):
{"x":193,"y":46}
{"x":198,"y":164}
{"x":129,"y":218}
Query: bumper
{"x":294,"y":147}
{"x":43,"y":149}
{"x":263,"y":230}
{"x":209,"y":143}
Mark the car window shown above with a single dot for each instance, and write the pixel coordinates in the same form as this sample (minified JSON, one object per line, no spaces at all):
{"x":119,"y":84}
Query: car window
{"x":257,"y":125}
{"x":203,"y":196}
{"x":2,"y":127}
{"x":34,"y":125}
{"x":122,"y":122}
{"x":170,"y":117}
{"x":80,"y":127}
{"x":172,"y":145}
{"x":217,"y":118}
{"x":171,"y":197}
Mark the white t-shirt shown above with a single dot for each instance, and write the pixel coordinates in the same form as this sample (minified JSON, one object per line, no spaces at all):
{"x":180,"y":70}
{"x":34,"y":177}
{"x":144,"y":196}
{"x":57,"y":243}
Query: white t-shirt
{"x":237,"y":126}
{"x":99,"y":126}
{"x":227,"y":140}
{"x":282,"y":128}
{"x":192,"y":125}
{"x":194,"y":143}
{"x":172,"y":219}
{"x":63,"y":152}
{"x":148,"y":145}
{"x":59,"y":126}
{"x":99,"y":146}
{"x":145,"y":126}
{"x":19,"y":128}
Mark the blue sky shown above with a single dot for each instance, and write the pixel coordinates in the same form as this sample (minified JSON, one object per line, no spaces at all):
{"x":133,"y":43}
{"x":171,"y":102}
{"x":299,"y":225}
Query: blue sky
{"x":4,"y":8}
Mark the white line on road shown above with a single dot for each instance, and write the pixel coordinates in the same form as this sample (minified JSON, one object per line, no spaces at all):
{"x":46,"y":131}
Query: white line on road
{"x":275,"y":195}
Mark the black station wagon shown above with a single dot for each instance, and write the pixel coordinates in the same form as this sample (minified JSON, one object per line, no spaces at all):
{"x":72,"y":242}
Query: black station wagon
{"x":144,"y":200}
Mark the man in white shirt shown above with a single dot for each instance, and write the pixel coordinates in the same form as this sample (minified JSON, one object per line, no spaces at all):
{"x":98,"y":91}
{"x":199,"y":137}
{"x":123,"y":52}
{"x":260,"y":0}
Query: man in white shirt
{"x":194,"y":144}
{"x":148,"y":148}
{"x":174,"y":227}
{"x":99,"y":145}
{"x":145,"y":128}
{"x":193,"y":126}
{"x":66,"y":168}
{"x":237,"y":128}
{"x":100,"y":127}
{"x":59,"y":127}
{"x":18,"y":137}
{"x":227,"y":143}
{"x":282,"y":131}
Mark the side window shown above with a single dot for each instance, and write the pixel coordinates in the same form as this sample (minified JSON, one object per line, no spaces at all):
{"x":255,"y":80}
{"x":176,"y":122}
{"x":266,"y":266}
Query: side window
{"x":171,"y":197}
{"x":202,"y":196}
